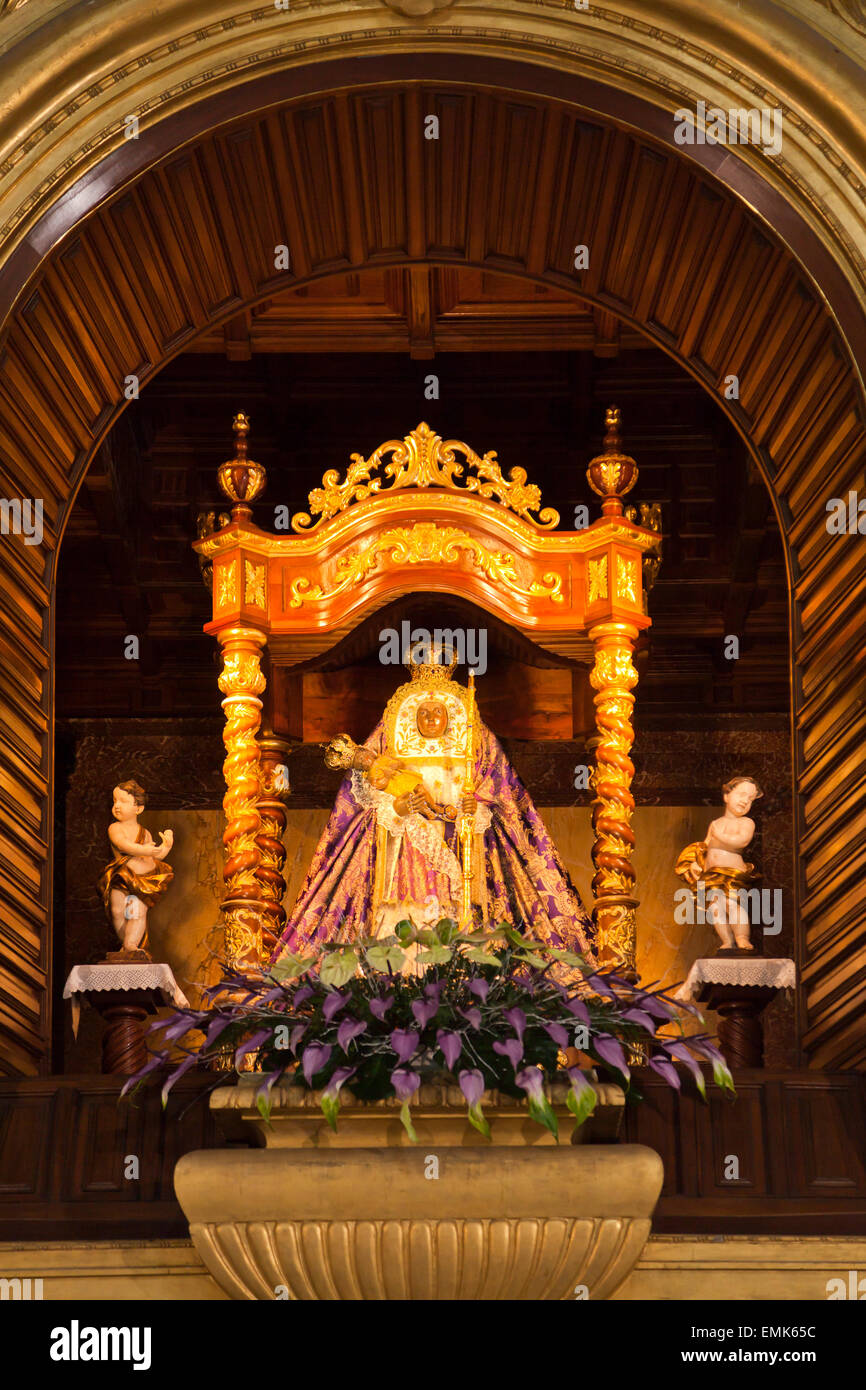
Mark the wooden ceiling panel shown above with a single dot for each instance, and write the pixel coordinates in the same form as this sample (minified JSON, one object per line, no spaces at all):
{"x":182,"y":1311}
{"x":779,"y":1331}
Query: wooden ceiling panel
{"x":379,"y":125}
{"x":446,"y":184}
{"x":315,"y":185}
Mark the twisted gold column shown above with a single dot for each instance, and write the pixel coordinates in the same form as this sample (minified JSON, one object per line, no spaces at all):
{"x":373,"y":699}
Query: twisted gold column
{"x":242,"y":683}
{"x":613,"y":676}
{"x":274,"y":788}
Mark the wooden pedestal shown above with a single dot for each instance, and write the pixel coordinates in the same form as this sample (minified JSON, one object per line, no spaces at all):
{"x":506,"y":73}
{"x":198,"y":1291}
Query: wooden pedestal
{"x":124,"y":1012}
{"x":741,"y":1032}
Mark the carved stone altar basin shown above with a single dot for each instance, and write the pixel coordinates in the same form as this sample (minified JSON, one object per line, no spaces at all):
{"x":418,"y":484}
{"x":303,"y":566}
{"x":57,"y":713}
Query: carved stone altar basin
{"x":365,"y":1214}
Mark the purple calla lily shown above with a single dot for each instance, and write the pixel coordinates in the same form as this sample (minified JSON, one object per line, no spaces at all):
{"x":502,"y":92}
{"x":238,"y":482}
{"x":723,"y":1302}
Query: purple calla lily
{"x":517,"y":1019}
{"x":334,"y":1003}
{"x":315,"y":1057}
{"x":472,"y":1016}
{"x":610,"y":1051}
{"x":480,"y":988}
{"x":450,"y":1045}
{"x":512,"y":1049}
{"x":424,"y":1010}
{"x":578,"y":1080}
{"x":340,"y":1076}
{"x":579,"y":1009}
{"x":558,"y":1033}
{"x":601,"y":986}
{"x":296,"y":1034}
{"x":471,"y":1084}
{"x":405,"y":1083}
{"x":641,"y":1018}
{"x":379,"y":1007}
{"x":405,"y":1042}
{"x":667,"y":1070}
{"x":654,"y":1006}
{"x":433,"y":989}
{"x":531,"y":1080}
{"x":350,"y":1028}
{"x":252,"y":1043}
{"x":301,"y":995}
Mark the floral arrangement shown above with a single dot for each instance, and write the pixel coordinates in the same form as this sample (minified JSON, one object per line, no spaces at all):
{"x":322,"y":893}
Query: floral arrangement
{"x":489,"y":1010}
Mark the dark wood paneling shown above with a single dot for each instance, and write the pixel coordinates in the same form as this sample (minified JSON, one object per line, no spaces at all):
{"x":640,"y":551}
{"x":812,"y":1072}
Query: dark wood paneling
{"x":800,"y":1141}
{"x":64,"y":1143}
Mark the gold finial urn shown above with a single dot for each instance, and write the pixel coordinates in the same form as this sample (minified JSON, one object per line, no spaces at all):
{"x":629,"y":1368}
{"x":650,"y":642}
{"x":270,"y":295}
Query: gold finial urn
{"x":241,"y":479}
{"x":612,"y":473}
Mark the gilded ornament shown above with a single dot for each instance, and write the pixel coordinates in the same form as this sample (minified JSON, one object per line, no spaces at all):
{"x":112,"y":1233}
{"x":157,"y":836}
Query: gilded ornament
{"x":241,"y":479}
{"x":227,"y":585}
{"x":597,"y":579}
{"x":422,"y":459}
{"x":626,"y":578}
{"x":254,"y":584}
{"x":612,"y":473}
{"x":613,"y":667}
{"x":425,"y":543}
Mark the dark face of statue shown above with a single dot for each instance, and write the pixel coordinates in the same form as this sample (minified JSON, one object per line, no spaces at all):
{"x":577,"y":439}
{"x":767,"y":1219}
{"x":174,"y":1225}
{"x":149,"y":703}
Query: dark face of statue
{"x":432,"y":719}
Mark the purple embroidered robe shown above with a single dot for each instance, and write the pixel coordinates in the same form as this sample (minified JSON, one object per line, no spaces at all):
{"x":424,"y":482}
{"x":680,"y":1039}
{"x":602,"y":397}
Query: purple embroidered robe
{"x":526,"y":883}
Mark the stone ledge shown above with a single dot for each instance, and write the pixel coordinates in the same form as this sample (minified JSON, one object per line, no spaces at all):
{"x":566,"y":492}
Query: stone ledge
{"x":694,"y":1268}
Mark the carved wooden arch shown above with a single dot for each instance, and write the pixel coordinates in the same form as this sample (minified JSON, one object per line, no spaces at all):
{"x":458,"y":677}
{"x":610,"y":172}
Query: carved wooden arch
{"x":704,"y":279}
{"x":432,"y":514}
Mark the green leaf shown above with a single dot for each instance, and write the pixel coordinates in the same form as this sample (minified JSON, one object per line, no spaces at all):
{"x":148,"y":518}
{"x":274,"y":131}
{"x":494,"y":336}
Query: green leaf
{"x":515,"y":937}
{"x":532,"y":959}
{"x":446,"y":929}
{"x":437,"y":955}
{"x":330,"y":1104}
{"x":383,"y":957}
{"x":481,"y":938}
{"x":290,"y":967}
{"x":339,"y":967}
{"x":480,"y":957}
{"x":476,"y":1118}
{"x":404,"y":932}
{"x":406,"y":1120}
{"x":582,"y":1106}
{"x":542,"y":1112}
{"x":568,"y":957}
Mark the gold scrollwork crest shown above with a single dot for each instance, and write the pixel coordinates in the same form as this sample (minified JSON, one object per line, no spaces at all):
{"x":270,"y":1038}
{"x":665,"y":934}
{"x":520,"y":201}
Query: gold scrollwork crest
{"x":424,"y":459}
{"x":421,"y":543}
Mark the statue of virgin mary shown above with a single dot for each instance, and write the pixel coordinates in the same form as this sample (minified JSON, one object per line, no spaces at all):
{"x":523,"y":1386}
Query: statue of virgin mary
{"x":391,"y":848}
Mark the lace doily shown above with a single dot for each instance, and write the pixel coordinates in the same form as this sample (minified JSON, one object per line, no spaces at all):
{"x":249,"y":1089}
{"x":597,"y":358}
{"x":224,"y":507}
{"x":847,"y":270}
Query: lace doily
{"x":761,"y":972}
{"x":85,"y":978}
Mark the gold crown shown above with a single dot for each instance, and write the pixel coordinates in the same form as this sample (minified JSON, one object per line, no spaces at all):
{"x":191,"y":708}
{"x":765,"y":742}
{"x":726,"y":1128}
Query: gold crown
{"x":431,"y":671}
{"x":340,"y":753}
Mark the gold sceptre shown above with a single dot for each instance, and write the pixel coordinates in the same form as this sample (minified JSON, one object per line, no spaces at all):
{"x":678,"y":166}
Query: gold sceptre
{"x":467,"y":822}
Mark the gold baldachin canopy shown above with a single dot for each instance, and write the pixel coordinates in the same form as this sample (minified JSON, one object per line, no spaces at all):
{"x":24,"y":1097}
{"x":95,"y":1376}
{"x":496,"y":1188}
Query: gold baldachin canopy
{"x":422,"y":459}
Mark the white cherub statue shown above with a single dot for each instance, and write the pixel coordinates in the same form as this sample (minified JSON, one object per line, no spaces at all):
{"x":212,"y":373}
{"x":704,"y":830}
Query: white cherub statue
{"x":715,"y":866}
{"x":136,"y":877}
